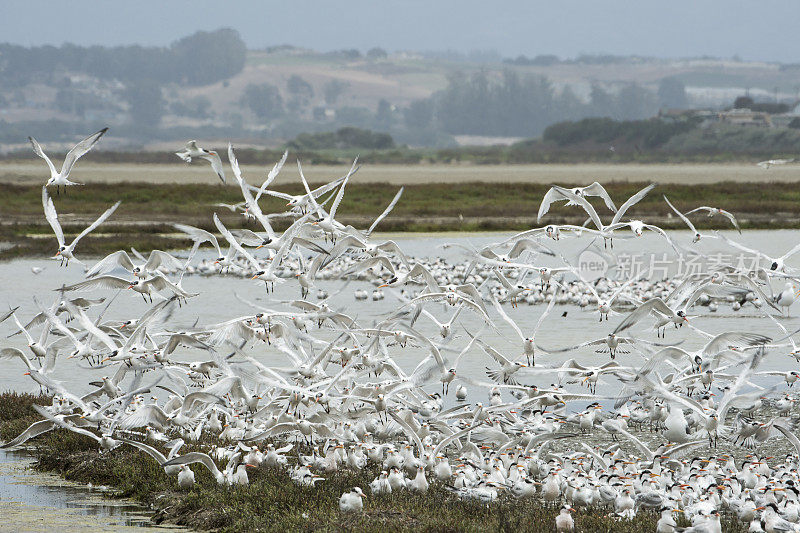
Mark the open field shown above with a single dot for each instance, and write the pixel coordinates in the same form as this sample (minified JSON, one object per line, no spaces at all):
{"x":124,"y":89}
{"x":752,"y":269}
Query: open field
{"x":35,"y":172}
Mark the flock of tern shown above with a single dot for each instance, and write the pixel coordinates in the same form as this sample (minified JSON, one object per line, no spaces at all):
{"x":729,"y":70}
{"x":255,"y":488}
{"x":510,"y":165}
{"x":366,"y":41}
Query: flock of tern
{"x":342,"y":401}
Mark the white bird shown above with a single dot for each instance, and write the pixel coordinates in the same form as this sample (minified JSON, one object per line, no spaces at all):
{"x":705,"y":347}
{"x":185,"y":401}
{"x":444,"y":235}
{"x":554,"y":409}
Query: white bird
{"x":555,"y":195}
{"x":717,"y":211}
{"x":192,"y":150}
{"x":564,"y":521}
{"x":66,"y":252}
{"x":120,"y":258}
{"x":59,"y":178}
{"x":352,"y":501}
{"x":770,"y":162}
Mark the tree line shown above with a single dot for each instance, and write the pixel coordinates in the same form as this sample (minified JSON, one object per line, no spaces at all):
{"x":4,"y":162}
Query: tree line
{"x":523,"y":106}
{"x":198,"y":59}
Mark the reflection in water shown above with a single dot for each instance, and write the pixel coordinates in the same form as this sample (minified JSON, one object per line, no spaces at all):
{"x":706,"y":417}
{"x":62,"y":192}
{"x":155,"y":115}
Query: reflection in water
{"x":32,"y":501}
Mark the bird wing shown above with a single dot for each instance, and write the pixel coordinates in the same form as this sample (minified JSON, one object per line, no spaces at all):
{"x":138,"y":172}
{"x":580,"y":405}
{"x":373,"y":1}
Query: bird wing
{"x":733,"y":338}
{"x":681,"y":215}
{"x":507,"y":284}
{"x":89,"y":326}
{"x":287,"y":241}
{"x":701,"y":208}
{"x":409,"y":431}
{"x":544,"y":315}
{"x":595,"y":189}
{"x":729,"y":216}
{"x":340,"y":194}
{"x":233,"y":242}
{"x":583,"y":202}
{"x":507,"y":319}
{"x":37,"y":149}
{"x":22,"y":329}
{"x":99,"y":282}
{"x":102,"y":218}
{"x":630,"y":202}
{"x":216,"y":164}
{"x":252,"y":204}
{"x":52,"y":216}
{"x":622,"y":288}
{"x":386,"y":211}
{"x":158,"y":258}
{"x":149,"y":450}
{"x":789,"y":434}
{"x":199,"y":235}
{"x":742,"y":247}
{"x":642,"y":311}
{"x":671,"y":352}
{"x":34,"y":430}
{"x":79,"y":150}
{"x":309,"y":194}
{"x":420,"y":270}
{"x":112,"y":260}
{"x":272,"y":174}
{"x":790,"y":253}
{"x":529,"y":244}
{"x":7,"y":353}
{"x":195,"y":457}
{"x":552,"y":195}
{"x":392,"y":248}
{"x":497,"y":356}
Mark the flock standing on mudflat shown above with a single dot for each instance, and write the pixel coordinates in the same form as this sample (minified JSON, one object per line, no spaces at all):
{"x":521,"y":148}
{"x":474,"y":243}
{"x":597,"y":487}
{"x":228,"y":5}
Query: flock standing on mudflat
{"x":345,"y":396}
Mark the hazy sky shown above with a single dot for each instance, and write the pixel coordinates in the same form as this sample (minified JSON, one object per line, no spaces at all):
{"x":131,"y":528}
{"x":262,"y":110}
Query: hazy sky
{"x":763,"y":29}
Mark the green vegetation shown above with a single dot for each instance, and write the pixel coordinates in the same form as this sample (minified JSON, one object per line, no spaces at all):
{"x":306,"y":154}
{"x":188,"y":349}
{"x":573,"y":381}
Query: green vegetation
{"x":272,"y":502}
{"x":650,"y":133}
{"x":722,"y":139}
{"x":144,"y":219}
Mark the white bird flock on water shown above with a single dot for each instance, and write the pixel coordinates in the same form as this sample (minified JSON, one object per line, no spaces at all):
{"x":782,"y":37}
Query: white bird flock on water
{"x":686,"y":430}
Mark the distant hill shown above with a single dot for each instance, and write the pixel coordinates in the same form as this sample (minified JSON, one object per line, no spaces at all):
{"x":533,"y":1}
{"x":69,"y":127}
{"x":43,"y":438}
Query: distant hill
{"x":153,"y":96}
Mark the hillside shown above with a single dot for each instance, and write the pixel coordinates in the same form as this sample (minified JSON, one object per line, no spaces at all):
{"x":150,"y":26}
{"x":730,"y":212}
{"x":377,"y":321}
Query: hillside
{"x":422,"y":99}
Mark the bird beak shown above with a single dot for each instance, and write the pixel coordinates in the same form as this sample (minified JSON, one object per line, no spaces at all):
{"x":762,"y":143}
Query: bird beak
{"x":260,"y":245}
{"x":382,"y":286}
{"x":58,"y":253}
{"x":26,"y":374}
{"x":254,"y":277}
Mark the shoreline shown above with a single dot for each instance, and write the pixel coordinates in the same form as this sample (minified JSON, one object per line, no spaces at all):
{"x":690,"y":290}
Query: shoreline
{"x":272,"y":502}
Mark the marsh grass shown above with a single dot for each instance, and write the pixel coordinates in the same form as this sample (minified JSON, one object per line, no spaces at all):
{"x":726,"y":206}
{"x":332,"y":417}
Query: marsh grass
{"x":272,"y":502}
{"x":144,"y":218}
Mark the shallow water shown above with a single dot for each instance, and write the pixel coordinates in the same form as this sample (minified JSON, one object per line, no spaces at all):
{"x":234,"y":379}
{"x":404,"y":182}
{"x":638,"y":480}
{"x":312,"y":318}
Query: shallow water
{"x":217,"y":302}
{"x":33,"y":501}
{"x":36,"y":502}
